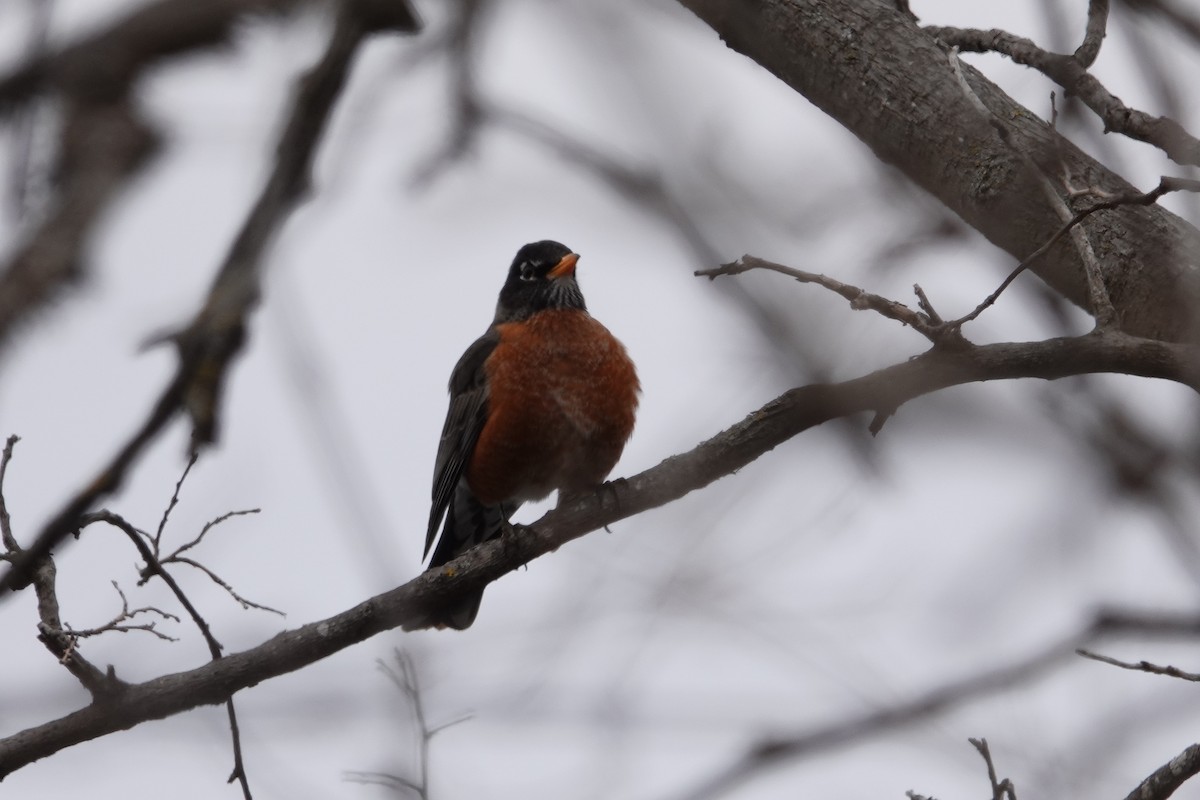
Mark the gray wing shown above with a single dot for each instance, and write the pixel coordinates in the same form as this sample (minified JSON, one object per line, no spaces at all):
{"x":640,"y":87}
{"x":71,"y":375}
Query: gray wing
{"x":464,"y":421}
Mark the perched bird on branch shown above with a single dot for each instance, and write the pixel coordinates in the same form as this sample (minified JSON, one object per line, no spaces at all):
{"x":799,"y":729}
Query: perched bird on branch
{"x":543,"y":401}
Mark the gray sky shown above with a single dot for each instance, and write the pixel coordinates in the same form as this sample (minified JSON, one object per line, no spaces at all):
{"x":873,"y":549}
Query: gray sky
{"x":835,"y":575}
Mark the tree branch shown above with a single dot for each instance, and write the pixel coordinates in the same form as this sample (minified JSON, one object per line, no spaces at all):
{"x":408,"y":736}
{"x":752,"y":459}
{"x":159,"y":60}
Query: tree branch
{"x":1165,"y":185}
{"x":102,"y":145}
{"x":104,"y":140}
{"x":416,"y":602}
{"x":1001,"y":789}
{"x":58,"y":639}
{"x":922,"y":323}
{"x":1142,"y":666}
{"x":1097,"y":24}
{"x":1163,"y":782}
{"x":105,"y":63}
{"x":6,"y":535}
{"x":887,"y":81}
{"x":1071,"y":74}
{"x":772,"y":752}
{"x":209,"y":343}
{"x":121,"y":622}
{"x":155,"y":567}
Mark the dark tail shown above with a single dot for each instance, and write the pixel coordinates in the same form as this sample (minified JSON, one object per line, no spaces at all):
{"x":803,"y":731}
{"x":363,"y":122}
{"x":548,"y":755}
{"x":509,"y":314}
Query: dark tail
{"x":468,"y":523}
{"x":460,"y":614}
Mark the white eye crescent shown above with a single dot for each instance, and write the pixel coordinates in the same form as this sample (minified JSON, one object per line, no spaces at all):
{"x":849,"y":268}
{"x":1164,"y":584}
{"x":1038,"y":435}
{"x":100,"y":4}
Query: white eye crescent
{"x":528,"y":271}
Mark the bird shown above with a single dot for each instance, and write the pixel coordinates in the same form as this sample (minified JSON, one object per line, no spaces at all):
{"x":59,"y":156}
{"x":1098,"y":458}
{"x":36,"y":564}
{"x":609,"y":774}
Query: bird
{"x":544,"y":400}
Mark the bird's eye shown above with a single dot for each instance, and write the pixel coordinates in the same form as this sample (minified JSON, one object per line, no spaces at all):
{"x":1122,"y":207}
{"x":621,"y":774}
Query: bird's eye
{"x":528,"y":271}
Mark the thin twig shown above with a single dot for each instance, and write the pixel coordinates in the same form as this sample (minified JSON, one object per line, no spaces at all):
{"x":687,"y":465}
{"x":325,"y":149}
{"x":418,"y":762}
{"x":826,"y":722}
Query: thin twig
{"x":238,"y":772}
{"x":120,"y":624}
{"x":1001,"y":789}
{"x":183,"y":548}
{"x":1071,"y":74}
{"x":174,"y":501}
{"x":6,"y":534}
{"x":1165,"y":185}
{"x":859,"y":299}
{"x":176,"y":557}
{"x":408,"y":682}
{"x":1141,"y":666}
{"x":926,"y":306}
{"x":154,"y":567}
{"x":243,"y":602}
{"x":394,"y":782}
{"x":1099,"y":300}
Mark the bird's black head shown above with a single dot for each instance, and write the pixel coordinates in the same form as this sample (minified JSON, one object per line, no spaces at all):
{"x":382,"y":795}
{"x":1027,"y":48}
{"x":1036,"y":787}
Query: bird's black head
{"x":542,"y":276}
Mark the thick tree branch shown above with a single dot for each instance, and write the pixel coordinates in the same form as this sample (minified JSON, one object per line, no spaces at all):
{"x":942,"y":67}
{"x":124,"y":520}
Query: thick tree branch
{"x":411,"y":605}
{"x":1163,"y":782}
{"x":887,"y":81}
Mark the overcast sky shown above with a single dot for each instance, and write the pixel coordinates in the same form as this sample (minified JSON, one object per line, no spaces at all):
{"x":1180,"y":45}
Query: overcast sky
{"x":835,"y":575}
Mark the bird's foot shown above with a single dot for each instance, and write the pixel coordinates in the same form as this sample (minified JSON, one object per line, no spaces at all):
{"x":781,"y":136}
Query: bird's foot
{"x":510,"y":538}
{"x":612,"y":489}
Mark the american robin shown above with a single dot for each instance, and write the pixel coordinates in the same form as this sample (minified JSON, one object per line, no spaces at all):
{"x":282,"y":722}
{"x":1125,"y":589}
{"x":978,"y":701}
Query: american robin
{"x":544,"y":400}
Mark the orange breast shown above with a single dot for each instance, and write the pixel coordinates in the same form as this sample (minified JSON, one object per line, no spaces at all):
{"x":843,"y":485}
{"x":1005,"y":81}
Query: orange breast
{"x":561,"y":403}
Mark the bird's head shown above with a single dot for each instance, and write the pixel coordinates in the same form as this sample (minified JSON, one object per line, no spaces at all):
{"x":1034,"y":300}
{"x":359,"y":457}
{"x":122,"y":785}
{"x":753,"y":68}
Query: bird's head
{"x":541,"y":277}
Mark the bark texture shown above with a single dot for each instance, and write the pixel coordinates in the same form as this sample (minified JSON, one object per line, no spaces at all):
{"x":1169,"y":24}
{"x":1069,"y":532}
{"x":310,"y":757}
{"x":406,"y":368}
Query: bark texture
{"x":875,"y":71}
